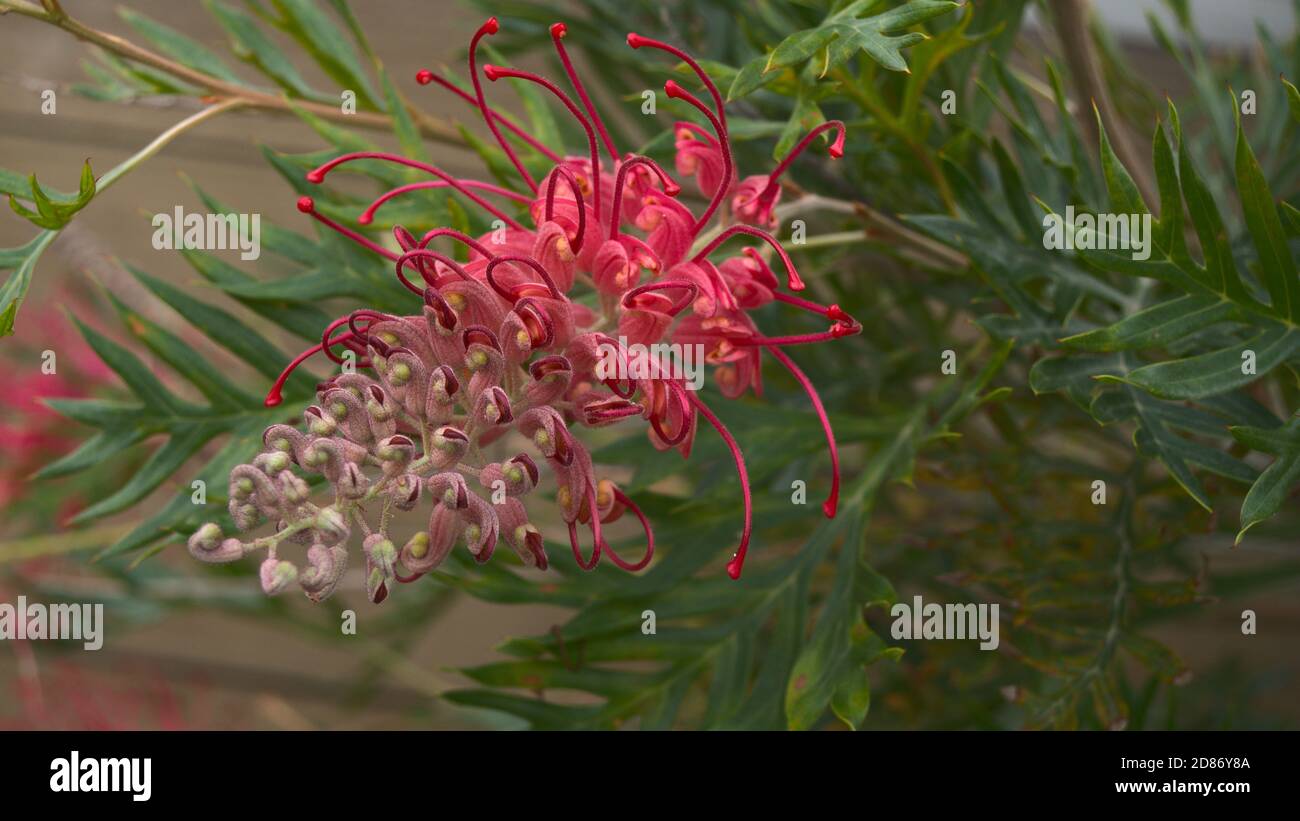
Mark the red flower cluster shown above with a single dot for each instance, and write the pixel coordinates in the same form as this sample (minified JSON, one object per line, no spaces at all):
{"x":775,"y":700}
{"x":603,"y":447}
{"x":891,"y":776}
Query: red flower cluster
{"x":499,"y":346}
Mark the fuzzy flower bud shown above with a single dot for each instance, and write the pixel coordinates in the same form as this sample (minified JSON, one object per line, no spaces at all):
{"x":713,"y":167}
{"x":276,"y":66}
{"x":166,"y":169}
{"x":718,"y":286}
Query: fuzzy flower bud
{"x":352,"y":482}
{"x":450,"y":445}
{"x":396,"y":453}
{"x":325,"y":568}
{"x":406,"y":491}
{"x":206,"y":545}
{"x":277,"y":575}
{"x":320,"y":423}
{"x":330,"y":526}
{"x":380,"y":552}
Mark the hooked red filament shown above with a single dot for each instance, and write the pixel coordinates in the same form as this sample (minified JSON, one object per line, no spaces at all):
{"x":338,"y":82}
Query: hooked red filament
{"x":547,"y":365}
{"x":577,"y":551}
{"x":833,"y":312}
{"x":838,"y":330}
{"x":698,"y":131}
{"x":308,"y":206}
{"x":597,"y":541}
{"x":737,"y":563}
{"x":793,"y":280}
{"x":273,"y":396}
{"x":361,"y":336}
{"x":614,"y":383}
{"x":317,"y":176}
{"x":645,"y":526}
{"x":670,"y":187}
{"x":531,"y":263}
{"x":660,"y":414}
{"x":561,"y":171}
{"x":637,"y":41}
{"x":424,"y":77}
{"x":492,"y":27}
{"x":832,"y":500}
{"x":445,"y":314}
{"x":540,"y":328}
{"x":558,"y":31}
{"x":836,"y":150}
{"x":418,"y":255}
{"x":368,"y":215}
{"x":480,"y":335}
{"x":672,"y":89}
{"x":460,"y":237}
{"x":692,"y":291}
{"x":494,"y":73}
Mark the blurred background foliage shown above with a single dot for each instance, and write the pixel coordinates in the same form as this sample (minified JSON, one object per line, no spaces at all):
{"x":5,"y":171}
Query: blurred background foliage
{"x":1073,"y":367}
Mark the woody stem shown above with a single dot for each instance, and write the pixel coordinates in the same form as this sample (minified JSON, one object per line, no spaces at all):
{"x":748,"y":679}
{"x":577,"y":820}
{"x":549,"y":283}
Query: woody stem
{"x":433,"y":128}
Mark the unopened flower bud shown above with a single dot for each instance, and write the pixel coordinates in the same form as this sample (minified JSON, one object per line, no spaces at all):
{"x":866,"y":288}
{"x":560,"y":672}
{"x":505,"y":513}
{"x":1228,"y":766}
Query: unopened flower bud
{"x":277,"y":575}
{"x":518,"y":475}
{"x":352,"y":482}
{"x":272,"y":463}
{"x":206,"y":538}
{"x":293,"y":490}
{"x":440,"y":405}
{"x":227,"y":551}
{"x":406,"y":491}
{"x":245,"y":515}
{"x":380,"y":552}
{"x":450,"y":444}
{"x":319,"y":422}
{"x":520,"y":534}
{"x":482,"y":529}
{"x":425,"y":551}
{"x":382,"y":412}
{"x":330,"y":526}
{"x":450,"y":490}
{"x":325,"y":567}
{"x":416,"y":547}
{"x":492,"y":408}
{"x":395,"y":452}
{"x":376,"y":584}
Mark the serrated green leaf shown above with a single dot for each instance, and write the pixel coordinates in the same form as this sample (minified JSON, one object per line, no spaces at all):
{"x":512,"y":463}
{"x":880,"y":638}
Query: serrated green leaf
{"x":843,"y":34}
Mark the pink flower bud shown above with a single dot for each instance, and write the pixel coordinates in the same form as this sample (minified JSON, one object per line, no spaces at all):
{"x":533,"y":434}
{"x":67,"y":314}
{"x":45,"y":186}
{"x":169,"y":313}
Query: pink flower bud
{"x":206,"y":545}
{"x":277,"y":575}
{"x":325,"y":568}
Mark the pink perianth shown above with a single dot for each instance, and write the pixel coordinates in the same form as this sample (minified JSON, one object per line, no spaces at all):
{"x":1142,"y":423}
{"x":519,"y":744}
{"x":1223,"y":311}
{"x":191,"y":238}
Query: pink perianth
{"x":674,"y":90}
{"x":671,"y":188}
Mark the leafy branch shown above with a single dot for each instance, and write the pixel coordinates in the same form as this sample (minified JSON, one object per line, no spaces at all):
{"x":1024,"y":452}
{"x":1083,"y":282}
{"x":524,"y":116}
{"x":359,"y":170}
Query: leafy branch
{"x":54,"y":215}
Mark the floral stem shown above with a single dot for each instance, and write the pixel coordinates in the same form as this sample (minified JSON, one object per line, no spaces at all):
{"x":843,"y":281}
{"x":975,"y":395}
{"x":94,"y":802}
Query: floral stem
{"x":53,"y":14}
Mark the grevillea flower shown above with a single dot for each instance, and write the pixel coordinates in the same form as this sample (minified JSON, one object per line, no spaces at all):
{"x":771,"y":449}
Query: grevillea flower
{"x":496,"y":344}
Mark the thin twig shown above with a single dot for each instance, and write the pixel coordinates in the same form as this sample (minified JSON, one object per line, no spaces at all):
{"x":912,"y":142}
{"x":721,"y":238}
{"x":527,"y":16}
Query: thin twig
{"x":52,"y":14}
{"x":1071,"y":18}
